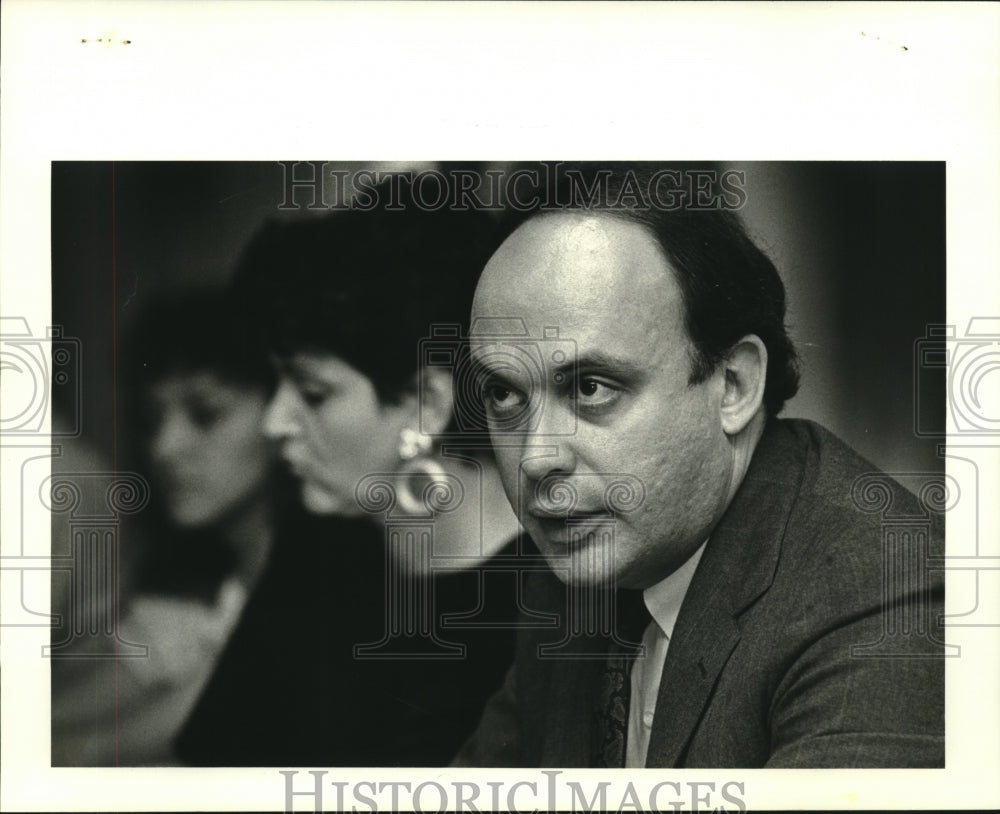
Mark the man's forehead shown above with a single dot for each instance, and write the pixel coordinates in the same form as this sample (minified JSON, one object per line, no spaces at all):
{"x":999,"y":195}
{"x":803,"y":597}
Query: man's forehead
{"x":574,"y":275}
{"x":580,"y":244}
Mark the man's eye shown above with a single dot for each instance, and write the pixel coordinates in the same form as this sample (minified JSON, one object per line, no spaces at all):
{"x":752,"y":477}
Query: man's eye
{"x":500,"y":399}
{"x":592,"y":392}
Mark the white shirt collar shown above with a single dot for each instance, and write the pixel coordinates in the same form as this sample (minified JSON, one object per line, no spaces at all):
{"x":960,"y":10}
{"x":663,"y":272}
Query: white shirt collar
{"x":663,"y":600}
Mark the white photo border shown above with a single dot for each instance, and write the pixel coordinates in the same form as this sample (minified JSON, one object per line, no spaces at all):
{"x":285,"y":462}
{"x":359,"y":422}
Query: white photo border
{"x":411,"y":81}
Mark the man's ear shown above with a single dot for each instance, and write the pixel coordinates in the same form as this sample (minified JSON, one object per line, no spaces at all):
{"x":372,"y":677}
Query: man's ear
{"x":746,"y":372}
{"x":435,"y":399}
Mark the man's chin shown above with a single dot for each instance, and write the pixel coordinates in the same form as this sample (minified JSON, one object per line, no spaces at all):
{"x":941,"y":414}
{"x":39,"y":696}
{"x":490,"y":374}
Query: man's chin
{"x":582,"y":563}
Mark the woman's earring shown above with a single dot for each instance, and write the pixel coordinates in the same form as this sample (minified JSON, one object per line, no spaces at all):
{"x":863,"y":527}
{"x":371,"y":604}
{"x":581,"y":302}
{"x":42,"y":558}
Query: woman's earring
{"x":420,"y":474}
{"x":412,"y":444}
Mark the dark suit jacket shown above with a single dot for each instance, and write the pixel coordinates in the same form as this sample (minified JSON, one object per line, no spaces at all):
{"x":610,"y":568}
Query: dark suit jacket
{"x":810,"y":635}
{"x":289,"y":690}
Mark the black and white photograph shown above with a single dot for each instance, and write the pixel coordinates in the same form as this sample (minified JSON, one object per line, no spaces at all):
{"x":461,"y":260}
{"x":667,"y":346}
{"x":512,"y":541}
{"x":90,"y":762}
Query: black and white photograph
{"x":355,"y":495}
{"x":370,"y":482}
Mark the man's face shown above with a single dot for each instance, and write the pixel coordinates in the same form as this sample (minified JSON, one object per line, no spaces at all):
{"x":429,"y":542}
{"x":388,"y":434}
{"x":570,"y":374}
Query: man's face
{"x":621,"y":407}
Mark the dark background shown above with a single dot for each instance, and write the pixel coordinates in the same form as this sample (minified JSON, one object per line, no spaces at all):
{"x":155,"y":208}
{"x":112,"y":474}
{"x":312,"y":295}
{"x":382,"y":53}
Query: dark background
{"x":861,"y":247}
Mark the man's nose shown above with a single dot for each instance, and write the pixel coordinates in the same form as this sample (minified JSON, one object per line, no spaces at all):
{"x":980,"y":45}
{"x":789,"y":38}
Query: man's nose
{"x":550,"y":448}
{"x":281,"y":415}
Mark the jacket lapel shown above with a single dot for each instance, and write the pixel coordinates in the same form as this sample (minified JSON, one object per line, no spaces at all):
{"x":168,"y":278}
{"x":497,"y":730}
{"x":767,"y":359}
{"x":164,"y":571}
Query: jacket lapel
{"x":737,"y":567}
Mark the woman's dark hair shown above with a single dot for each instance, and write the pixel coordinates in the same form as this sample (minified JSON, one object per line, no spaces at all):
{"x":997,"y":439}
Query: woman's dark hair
{"x":365,"y":286}
{"x":195,"y":331}
{"x":730,"y":287}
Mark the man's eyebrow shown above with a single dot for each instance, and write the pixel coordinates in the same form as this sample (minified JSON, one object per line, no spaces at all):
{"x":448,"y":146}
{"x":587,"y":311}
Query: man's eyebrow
{"x":591,"y":361}
{"x":478,"y":366}
{"x":599,"y":361}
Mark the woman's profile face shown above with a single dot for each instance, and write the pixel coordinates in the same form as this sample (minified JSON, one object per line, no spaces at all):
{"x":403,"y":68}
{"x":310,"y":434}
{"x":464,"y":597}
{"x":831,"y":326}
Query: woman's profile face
{"x":333,"y":429}
{"x":208,"y":452}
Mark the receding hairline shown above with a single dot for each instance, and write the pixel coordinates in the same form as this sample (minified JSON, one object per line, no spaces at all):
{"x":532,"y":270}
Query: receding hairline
{"x":535,"y":219}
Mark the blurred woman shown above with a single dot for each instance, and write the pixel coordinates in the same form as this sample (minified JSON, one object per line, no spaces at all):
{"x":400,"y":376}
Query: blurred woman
{"x":199,"y":390}
{"x":203,"y":389}
{"x":377,"y":640}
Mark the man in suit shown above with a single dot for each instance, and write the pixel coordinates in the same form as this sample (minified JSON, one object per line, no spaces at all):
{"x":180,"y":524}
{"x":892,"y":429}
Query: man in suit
{"x":644,"y":346}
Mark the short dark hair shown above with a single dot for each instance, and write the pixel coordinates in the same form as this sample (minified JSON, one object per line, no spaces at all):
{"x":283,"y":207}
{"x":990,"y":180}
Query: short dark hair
{"x":365,"y":286}
{"x":730,"y":287}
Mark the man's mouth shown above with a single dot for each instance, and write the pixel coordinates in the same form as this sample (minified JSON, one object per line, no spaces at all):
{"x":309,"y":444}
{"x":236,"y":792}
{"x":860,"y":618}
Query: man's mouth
{"x":540,"y":512}
{"x":589,"y":518}
{"x":567,"y":527}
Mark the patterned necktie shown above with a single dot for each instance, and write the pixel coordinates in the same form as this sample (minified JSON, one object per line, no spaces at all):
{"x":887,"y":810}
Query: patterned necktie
{"x":611,"y":706}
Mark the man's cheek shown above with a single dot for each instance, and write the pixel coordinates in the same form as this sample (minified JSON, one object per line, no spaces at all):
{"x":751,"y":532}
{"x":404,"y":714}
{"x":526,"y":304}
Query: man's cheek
{"x":509,"y":468}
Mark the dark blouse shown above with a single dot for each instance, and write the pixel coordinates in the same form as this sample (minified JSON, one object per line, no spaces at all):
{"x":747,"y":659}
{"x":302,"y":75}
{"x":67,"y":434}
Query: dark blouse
{"x":290,"y":688}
